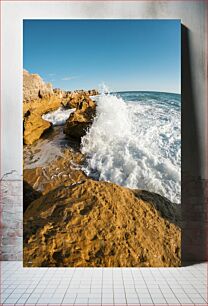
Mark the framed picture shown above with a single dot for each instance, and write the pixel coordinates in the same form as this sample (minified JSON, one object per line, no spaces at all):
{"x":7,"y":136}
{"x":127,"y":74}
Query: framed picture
{"x":127,"y":53}
{"x":102,"y":142}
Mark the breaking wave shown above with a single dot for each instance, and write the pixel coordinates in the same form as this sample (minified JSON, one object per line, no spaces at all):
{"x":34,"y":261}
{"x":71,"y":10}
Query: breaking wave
{"x":135,"y":141}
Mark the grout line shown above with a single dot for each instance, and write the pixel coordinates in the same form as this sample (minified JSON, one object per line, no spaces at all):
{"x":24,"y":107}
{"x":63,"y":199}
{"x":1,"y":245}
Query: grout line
{"x":13,"y":273}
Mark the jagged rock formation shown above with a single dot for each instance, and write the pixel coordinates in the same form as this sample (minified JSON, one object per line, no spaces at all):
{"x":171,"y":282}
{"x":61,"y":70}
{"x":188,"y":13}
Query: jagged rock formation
{"x":40,"y":98}
{"x":34,"y":124}
{"x":34,"y":87}
{"x":76,"y":98}
{"x":94,"y":224}
{"x":78,"y":123}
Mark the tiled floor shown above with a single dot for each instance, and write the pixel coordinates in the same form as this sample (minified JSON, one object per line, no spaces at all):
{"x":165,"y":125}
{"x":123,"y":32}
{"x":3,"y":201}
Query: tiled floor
{"x":103,"y":286}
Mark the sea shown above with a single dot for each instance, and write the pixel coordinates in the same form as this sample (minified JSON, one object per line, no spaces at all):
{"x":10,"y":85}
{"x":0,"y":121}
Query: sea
{"x":134,"y":141}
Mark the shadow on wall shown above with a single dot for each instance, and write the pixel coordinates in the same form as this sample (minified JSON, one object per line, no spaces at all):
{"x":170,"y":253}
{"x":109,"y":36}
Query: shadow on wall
{"x":194,"y":207}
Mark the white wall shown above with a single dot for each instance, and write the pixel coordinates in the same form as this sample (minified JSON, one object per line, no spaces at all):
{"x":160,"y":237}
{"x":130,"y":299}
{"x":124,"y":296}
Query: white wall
{"x":191,"y":13}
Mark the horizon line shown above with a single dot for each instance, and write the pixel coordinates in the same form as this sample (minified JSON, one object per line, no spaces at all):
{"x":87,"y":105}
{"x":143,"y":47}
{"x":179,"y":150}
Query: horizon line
{"x":176,"y":93}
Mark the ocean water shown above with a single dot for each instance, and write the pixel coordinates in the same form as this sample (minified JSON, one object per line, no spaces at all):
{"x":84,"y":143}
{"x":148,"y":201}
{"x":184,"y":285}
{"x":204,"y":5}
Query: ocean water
{"x":135,"y":141}
{"x":59,"y":116}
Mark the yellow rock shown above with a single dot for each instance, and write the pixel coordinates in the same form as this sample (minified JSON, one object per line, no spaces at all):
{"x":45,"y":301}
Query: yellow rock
{"x":78,"y":123}
{"x":34,"y":125}
{"x":101,"y":224}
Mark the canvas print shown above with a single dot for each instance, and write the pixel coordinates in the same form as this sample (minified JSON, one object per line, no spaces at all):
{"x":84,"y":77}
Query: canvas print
{"x":102,"y":143}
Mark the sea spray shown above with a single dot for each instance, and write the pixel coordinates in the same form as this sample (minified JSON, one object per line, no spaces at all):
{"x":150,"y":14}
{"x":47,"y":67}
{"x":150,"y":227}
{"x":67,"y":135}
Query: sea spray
{"x":135,"y":142}
{"x":59,"y":116}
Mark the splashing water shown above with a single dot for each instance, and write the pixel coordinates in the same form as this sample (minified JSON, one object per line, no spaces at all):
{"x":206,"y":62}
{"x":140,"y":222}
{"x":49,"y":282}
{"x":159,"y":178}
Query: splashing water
{"x":103,"y":89}
{"x":135,"y":141}
{"x":59,"y":116}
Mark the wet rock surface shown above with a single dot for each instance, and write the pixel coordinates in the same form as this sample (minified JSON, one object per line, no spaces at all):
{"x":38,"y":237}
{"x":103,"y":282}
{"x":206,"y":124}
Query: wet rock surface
{"x":80,"y":121}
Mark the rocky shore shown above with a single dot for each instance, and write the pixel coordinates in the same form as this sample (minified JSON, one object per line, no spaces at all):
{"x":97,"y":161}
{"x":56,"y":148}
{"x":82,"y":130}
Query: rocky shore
{"x":39,"y":98}
{"x":72,"y":220}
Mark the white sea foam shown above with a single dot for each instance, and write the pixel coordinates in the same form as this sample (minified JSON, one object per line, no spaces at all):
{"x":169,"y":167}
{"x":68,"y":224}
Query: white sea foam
{"x":135,"y":144}
{"x":59,"y":116}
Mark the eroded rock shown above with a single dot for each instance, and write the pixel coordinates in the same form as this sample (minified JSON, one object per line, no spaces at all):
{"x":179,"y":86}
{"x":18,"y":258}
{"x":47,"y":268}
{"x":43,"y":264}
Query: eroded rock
{"x":34,"y":127}
{"x":34,"y":87}
{"x":93,"y":224}
{"x":79,"y":122}
{"x":40,"y":98}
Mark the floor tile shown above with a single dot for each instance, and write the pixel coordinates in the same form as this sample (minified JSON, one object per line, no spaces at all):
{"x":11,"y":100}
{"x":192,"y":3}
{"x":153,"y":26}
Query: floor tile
{"x":112,"y":286}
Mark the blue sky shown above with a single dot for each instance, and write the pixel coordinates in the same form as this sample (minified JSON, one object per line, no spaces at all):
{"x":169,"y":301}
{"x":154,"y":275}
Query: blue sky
{"x":124,"y":54}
